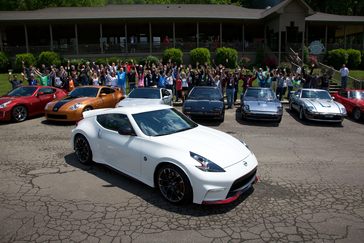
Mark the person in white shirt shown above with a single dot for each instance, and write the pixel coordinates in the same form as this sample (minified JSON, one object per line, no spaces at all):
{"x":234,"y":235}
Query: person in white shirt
{"x":344,"y":73}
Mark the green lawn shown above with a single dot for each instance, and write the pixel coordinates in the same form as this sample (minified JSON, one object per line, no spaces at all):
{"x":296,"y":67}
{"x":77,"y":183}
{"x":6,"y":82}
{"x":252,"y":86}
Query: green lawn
{"x":358,"y":74}
{"x":5,"y":86}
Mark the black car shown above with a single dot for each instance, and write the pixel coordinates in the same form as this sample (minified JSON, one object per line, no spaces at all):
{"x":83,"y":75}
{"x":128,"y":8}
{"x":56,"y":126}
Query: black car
{"x":205,"y":102}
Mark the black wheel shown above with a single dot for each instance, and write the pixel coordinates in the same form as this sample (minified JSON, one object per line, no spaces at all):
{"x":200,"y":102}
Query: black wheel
{"x":82,"y":149}
{"x":19,"y":113}
{"x":356,"y":114}
{"x":222,"y":117}
{"x":290,"y":106}
{"x":302,"y":114}
{"x":174,"y":184}
{"x":87,"y":108}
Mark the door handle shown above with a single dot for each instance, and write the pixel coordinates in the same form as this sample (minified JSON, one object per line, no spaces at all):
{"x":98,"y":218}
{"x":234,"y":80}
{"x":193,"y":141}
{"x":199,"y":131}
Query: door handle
{"x":99,"y":133}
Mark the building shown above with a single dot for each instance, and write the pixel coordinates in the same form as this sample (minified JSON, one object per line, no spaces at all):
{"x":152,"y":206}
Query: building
{"x":135,"y":30}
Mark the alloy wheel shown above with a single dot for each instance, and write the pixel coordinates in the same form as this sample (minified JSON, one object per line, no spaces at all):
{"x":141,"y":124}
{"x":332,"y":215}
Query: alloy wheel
{"x":82,"y":149}
{"x":20,"y":113}
{"x":171,"y":184}
{"x":356,"y":114}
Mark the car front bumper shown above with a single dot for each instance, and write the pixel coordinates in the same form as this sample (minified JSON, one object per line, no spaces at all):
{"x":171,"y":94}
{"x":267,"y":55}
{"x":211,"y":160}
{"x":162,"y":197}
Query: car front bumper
{"x":262,"y":115}
{"x":71,"y":116}
{"x":5,"y":114}
{"x":327,"y":117}
{"x":203,"y":113}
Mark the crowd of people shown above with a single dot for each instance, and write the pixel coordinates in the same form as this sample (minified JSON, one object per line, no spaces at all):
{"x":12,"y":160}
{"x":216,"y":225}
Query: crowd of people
{"x":179,"y":78}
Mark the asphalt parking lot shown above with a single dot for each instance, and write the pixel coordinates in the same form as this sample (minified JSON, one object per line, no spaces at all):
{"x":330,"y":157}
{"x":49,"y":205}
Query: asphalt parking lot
{"x":311,"y":189}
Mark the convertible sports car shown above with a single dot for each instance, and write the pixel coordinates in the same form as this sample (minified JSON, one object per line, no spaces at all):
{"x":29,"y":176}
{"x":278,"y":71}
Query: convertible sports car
{"x":316,"y":104}
{"x":205,"y":101}
{"x":26,"y":101}
{"x":163,"y":148}
{"x":353,"y":100}
{"x":147,"y":96}
{"x":261,"y":104}
{"x":82,"y":99}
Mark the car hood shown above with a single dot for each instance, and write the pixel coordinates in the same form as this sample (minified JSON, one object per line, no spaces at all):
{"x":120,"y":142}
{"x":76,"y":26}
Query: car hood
{"x":138,"y":102}
{"x":5,"y":99}
{"x":219,"y":147}
{"x":68,"y":101}
{"x":323,"y":105}
{"x":198,"y":104}
{"x":263,"y":105}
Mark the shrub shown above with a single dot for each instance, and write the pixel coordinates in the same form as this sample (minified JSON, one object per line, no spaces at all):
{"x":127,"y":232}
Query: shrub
{"x":152,"y":60}
{"x":337,"y":57}
{"x":108,"y":60}
{"x":49,"y":58}
{"x":174,"y":55}
{"x":4,"y":62}
{"x":227,"y":57}
{"x":362,"y":60}
{"x":354,"y":58}
{"x":200,"y":55}
{"x":27,"y":58}
{"x":305,"y":55}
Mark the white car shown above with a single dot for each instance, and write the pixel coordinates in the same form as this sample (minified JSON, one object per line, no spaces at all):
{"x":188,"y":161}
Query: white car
{"x":147,"y":96}
{"x":163,"y":148}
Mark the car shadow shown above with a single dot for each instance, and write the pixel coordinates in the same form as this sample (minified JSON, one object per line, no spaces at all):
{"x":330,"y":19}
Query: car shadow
{"x":151,"y":195}
{"x":58,"y":123}
{"x":13,"y":122}
{"x":295,"y":116}
{"x":207,"y":122}
{"x":256,"y":123}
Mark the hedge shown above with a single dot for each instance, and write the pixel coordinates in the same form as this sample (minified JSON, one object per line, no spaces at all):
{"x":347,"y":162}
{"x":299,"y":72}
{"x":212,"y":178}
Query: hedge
{"x":4,"y":62}
{"x":227,"y":57}
{"x":354,"y":58}
{"x":49,"y":58}
{"x":174,"y":55}
{"x":152,"y":60}
{"x":27,"y":58}
{"x":337,"y":58}
{"x":200,"y":55}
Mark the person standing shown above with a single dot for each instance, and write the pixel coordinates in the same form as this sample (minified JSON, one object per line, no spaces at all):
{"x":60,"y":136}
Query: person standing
{"x":344,"y":73}
{"x":230,"y":90}
{"x":15,"y":82}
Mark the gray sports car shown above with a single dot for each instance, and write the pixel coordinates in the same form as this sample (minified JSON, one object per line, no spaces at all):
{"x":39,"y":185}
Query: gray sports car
{"x":316,"y":104}
{"x":261,"y":104}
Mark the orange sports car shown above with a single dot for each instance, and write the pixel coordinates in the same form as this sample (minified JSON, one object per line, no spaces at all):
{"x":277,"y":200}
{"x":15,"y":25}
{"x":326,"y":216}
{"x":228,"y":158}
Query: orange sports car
{"x":82,"y":99}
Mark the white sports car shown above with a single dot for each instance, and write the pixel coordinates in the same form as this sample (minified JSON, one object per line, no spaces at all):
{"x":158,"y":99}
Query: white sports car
{"x":163,"y":148}
{"x":147,"y":96}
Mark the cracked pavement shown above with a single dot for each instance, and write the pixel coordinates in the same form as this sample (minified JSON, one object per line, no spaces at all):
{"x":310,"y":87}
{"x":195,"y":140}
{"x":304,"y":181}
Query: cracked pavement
{"x":311,"y":189}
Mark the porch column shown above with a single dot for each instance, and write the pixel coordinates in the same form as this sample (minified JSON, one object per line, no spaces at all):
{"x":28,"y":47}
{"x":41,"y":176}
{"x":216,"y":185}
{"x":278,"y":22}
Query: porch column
{"x":174,"y":35}
{"x":326,"y":37}
{"x":1,"y":41}
{"x":220,"y":34}
{"x":101,"y":43}
{"x":265,"y":36}
{"x":26,"y":37}
{"x":198,"y":34}
{"x":76,"y":39}
{"x":303,"y":47}
{"x":363,"y":40}
{"x":279,"y":41}
{"x":307,"y":34}
{"x":51,"y":36}
{"x":150,"y":38}
{"x":243,"y":37}
{"x":344,"y":36}
{"x":126,"y":37}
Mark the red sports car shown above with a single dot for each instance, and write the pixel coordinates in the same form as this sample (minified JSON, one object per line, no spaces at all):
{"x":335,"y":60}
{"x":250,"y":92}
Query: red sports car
{"x":353,"y":100}
{"x":26,"y":101}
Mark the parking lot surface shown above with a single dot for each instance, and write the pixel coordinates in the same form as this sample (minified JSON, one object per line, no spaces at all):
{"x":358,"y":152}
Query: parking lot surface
{"x":311,"y":188}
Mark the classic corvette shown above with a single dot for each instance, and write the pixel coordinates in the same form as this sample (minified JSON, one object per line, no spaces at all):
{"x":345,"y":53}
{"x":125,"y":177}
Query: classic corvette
{"x":205,"y":101}
{"x":81,"y":99}
{"x":353,"y":100}
{"x":26,"y":101}
{"x":316,"y":104}
{"x":261,"y":104}
{"x":147,"y":96}
{"x":164,"y":149}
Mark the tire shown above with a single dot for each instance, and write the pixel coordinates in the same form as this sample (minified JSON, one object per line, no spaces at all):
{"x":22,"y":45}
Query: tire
{"x":290,"y":106}
{"x":19,"y":113}
{"x":302,"y":114}
{"x":356,"y":114}
{"x":82,"y":149}
{"x":222,"y":117}
{"x":174,"y":185}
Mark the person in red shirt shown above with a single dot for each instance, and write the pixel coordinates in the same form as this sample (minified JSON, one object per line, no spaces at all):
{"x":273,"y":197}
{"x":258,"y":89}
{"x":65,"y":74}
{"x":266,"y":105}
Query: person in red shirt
{"x":178,"y":88}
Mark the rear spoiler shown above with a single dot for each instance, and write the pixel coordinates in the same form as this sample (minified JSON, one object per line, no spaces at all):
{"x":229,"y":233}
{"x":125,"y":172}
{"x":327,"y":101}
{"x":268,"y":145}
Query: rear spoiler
{"x":91,"y":113}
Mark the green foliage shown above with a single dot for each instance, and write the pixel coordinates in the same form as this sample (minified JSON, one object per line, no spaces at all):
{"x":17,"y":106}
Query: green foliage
{"x":152,"y":60}
{"x":354,"y":58}
{"x":174,"y":55}
{"x":77,"y":61}
{"x":200,"y":55}
{"x":49,"y":58}
{"x":226,"y":56}
{"x":27,"y":58}
{"x":305,"y":55}
{"x":4,"y":62}
{"x":337,"y":57}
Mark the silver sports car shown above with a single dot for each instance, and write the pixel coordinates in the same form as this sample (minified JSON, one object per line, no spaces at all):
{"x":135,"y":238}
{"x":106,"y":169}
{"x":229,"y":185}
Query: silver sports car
{"x":316,"y":104}
{"x":261,"y":104}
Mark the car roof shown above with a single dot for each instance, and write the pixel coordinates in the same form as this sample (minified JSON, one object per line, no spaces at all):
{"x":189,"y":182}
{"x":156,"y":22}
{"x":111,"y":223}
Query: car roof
{"x":314,"y":89}
{"x":205,"y":87}
{"x":257,"y":88}
{"x":126,"y":110}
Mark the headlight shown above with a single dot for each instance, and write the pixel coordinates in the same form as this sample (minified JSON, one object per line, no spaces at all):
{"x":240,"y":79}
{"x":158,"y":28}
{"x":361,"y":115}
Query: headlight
{"x":75,"y":106}
{"x":310,"y":108}
{"x":343,"y":110}
{"x":246,"y":108}
{"x":3,"y":105}
{"x":205,"y":164}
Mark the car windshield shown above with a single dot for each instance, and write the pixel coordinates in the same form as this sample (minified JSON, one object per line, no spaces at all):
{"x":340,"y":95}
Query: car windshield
{"x":163,"y":122}
{"x":84,"y":92}
{"x":261,"y":94}
{"x":145,"y":93}
{"x":205,"y":94}
{"x":316,"y":94}
{"x":357,"y":95}
{"x":22,"y":91}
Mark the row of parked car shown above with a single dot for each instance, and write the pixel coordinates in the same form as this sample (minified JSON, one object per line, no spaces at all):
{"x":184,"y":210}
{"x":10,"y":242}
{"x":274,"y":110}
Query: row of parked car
{"x":202,"y":102}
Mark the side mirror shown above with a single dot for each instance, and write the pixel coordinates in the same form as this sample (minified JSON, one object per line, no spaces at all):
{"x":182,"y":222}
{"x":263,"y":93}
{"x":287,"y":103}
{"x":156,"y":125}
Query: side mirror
{"x":126,"y":131}
{"x":40,"y":93}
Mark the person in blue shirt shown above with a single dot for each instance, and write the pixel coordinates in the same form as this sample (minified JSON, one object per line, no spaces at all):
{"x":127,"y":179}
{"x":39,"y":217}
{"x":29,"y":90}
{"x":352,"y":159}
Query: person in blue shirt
{"x":121,"y":82}
{"x":162,"y":80}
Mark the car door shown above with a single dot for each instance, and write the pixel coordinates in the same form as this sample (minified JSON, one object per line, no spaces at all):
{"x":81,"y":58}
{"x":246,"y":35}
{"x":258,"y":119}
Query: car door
{"x":41,"y":99}
{"x":108,"y":97}
{"x":122,"y":152}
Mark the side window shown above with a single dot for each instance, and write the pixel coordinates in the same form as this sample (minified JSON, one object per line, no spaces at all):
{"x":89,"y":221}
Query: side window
{"x":47,"y":90}
{"x":107,"y":91}
{"x":113,"y":121}
{"x":343,"y":93}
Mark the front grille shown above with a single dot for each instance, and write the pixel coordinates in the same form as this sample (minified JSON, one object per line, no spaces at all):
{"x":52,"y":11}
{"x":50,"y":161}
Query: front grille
{"x":262,"y":116}
{"x":60,"y":117}
{"x":242,"y":181}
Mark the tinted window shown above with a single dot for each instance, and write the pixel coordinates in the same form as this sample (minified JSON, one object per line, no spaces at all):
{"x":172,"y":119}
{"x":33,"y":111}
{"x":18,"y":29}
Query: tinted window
{"x":84,"y":92}
{"x":163,"y":122}
{"x":343,"y":93}
{"x":166,"y":92}
{"x":107,"y":91}
{"x":113,"y":121}
{"x":23,"y":91}
{"x":145,"y":93}
{"x":315,"y":94}
{"x":205,"y":94}
{"x":357,"y":95}
{"x":47,"y":90}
